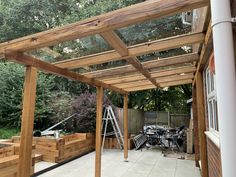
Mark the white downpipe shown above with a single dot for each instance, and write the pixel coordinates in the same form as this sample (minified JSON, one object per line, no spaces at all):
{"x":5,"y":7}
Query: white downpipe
{"x":225,"y":83}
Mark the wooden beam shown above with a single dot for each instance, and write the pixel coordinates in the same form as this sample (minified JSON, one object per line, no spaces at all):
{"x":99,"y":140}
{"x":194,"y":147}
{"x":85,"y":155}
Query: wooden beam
{"x":139,"y":67}
{"x":201,"y":124}
{"x":113,"y":20}
{"x":126,"y":127}
{"x":27,"y":123}
{"x":155,"y":74}
{"x":200,"y":23}
{"x":98,"y":131}
{"x":195,"y":127}
{"x":136,"y":50}
{"x":121,"y":71}
{"x":50,"y":68}
{"x":114,"y":40}
{"x":159,"y":80}
{"x":167,"y":84}
{"x":206,"y":51}
{"x":176,"y":83}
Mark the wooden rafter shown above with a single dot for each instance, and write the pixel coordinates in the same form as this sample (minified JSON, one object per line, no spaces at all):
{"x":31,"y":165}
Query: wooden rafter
{"x":200,"y":23}
{"x":167,"y":84}
{"x":113,"y":20}
{"x":120,"y":71}
{"x":207,"y":48}
{"x":155,"y":74}
{"x":50,"y":68}
{"x":159,"y":80}
{"x":113,"y":39}
{"x":135,"y":50}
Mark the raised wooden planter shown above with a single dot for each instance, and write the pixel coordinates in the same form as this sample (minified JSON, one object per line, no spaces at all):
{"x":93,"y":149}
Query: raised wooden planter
{"x":64,"y":148}
{"x":9,"y":157}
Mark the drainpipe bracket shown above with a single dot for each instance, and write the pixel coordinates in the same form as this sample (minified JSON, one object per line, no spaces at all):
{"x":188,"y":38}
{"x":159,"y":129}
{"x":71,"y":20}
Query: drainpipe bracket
{"x":222,"y":20}
{"x":233,"y":20}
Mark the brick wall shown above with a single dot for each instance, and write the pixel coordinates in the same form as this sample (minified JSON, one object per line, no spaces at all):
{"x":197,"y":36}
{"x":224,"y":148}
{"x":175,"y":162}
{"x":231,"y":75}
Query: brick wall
{"x":214,"y":159}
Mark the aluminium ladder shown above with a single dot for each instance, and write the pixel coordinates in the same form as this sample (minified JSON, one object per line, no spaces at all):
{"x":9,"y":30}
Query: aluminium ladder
{"x":110,"y":116}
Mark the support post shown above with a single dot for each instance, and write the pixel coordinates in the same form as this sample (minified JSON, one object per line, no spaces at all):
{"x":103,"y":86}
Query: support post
{"x":201,"y":124}
{"x":126,"y":127}
{"x":27,"y":123}
{"x":225,"y":83}
{"x":98,"y":132}
{"x":195,"y":127}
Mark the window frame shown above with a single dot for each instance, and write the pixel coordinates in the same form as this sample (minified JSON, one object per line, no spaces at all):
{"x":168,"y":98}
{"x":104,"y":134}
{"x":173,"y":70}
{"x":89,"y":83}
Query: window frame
{"x":211,"y":102}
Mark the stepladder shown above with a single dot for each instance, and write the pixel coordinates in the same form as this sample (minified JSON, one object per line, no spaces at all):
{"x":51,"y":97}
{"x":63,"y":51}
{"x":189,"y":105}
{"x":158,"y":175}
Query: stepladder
{"x":110,"y":121}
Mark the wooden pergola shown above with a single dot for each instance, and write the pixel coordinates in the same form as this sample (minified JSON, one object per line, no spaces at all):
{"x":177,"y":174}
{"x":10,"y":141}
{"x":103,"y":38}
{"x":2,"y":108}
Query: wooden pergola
{"x":136,"y":76}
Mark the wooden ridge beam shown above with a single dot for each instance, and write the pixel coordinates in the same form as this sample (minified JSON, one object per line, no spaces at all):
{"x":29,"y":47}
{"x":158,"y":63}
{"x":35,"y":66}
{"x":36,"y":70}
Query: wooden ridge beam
{"x":156,"y":74}
{"x":134,"y":14}
{"x":113,"y":39}
{"x":159,"y":80}
{"x":206,"y":51}
{"x":50,"y":68}
{"x":120,"y":71}
{"x":167,"y":84}
{"x":135,"y":50}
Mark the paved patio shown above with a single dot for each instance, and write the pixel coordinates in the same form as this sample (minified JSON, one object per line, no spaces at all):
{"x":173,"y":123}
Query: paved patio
{"x":146,"y":163}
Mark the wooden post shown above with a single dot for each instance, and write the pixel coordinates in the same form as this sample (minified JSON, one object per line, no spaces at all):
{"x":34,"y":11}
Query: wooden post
{"x":201,"y":124}
{"x":27,"y":123}
{"x":126,"y":131}
{"x":98,"y":132}
{"x":195,"y":127}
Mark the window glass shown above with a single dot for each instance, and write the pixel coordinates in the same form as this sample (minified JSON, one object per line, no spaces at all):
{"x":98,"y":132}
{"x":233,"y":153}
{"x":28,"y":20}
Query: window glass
{"x":211,"y":100}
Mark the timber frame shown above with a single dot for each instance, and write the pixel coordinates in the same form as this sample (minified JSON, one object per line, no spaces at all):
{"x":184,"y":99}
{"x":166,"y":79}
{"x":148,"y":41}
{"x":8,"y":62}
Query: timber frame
{"x":135,"y":76}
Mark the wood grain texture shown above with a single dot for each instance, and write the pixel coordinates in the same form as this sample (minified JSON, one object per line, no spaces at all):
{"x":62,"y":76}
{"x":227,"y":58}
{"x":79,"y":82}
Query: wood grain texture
{"x":154,"y":74}
{"x":27,"y":123}
{"x":201,"y":124}
{"x":195,"y":127}
{"x":98,"y":132}
{"x":126,"y":131}
{"x":200,"y":23}
{"x":116,"y":19}
{"x":159,"y":80}
{"x":164,"y":84}
{"x":129,"y":69}
{"x":50,"y":68}
{"x":135,"y":50}
{"x":206,"y":51}
{"x":114,"y":40}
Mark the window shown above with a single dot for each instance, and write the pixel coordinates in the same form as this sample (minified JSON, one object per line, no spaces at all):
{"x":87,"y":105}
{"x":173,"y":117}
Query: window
{"x":211,"y":100}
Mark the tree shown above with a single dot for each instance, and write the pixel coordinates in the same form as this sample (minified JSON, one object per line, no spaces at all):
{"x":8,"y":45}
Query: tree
{"x":23,"y":17}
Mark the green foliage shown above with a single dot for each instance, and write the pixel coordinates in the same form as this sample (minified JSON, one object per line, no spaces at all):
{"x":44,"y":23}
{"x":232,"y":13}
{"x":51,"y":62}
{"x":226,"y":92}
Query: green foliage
{"x":54,"y":94}
{"x":172,"y":99}
{"x":7,"y":133}
{"x":11,"y":81}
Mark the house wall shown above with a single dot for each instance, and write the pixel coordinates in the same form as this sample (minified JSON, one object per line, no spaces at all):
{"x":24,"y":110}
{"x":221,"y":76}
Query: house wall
{"x":214,"y":159}
{"x":213,"y":151}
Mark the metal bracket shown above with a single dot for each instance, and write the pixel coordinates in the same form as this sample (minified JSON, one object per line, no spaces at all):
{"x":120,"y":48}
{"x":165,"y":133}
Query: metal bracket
{"x":222,"y":20}
{"x":233,"y":20}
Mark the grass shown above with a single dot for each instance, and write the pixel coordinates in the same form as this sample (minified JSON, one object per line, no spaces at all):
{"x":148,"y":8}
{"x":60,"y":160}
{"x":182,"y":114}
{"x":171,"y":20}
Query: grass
{"x":7,"y":133}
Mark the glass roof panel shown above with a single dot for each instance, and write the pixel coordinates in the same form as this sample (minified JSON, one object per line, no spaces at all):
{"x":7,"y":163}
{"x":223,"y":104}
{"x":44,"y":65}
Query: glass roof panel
{"x":73,"y":49}
{"x":153,"y":30}
{"x":165,"y":54}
